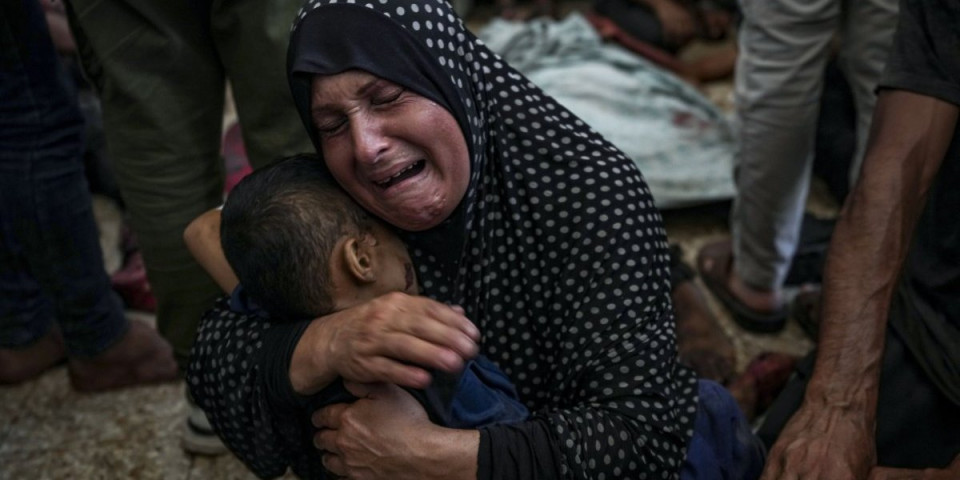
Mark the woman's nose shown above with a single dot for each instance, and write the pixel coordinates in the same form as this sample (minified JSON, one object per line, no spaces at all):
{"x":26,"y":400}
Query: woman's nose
{"x":369,"y":141}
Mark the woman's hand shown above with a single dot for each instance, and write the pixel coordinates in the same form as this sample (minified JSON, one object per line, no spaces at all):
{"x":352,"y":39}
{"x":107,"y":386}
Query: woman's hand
{"x":823,"y":441}
{"x":386,"y":435}
{"x":394,"y":338}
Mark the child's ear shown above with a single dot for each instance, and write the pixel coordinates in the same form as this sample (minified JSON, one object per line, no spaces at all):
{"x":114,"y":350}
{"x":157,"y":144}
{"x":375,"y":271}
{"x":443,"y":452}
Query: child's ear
{"x":358,"y":258}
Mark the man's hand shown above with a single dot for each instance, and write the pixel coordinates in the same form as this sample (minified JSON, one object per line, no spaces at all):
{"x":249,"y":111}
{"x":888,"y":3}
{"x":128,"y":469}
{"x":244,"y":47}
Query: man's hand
{"x":386,"y":435}
{"x":823,"y":441}
{"x":394,"y":338}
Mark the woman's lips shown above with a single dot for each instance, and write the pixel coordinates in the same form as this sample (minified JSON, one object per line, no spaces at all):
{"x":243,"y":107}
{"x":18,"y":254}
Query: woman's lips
{"x":410,"y":171}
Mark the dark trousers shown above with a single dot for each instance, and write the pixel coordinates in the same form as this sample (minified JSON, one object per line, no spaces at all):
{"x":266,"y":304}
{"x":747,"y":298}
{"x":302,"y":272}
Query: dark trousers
{"x":51,"y":266}
{"x":161,"y":67}
{"x":917,"y":426}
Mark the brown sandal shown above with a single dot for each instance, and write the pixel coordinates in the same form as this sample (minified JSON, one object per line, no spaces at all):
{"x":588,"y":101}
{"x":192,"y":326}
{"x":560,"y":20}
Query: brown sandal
{"x":714,"y":263}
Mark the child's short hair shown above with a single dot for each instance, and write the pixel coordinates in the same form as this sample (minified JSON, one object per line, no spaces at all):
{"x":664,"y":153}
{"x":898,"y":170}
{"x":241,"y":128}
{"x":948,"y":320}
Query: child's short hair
{"x":278,"y":229}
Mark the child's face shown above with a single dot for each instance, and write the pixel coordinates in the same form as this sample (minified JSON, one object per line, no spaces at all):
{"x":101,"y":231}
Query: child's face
{"x":396,"y":273}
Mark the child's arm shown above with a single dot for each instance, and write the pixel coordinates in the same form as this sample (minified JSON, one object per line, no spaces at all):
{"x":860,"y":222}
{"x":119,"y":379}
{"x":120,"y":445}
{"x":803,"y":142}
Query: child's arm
{"x":202,"y":237}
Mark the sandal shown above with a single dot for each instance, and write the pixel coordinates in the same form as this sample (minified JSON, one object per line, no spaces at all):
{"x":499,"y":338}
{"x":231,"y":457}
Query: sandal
{"x":714,"y":261}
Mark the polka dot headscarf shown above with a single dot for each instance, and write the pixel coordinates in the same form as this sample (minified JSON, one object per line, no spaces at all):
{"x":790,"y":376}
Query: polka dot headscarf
{"x":556,"y":252}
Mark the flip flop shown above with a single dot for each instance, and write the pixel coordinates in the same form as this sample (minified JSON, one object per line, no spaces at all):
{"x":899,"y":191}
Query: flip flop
{"x":719,"y":256}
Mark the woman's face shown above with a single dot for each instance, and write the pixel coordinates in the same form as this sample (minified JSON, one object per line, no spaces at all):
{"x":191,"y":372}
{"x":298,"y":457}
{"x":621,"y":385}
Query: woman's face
{"x":399,"y":155}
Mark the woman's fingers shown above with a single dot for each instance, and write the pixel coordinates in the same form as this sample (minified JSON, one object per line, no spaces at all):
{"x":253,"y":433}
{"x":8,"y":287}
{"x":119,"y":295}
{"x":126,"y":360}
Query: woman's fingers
{"x":439,"y":335}
{"x":326,"y":440}
{"x":334,"y":464}
{"x":424,"y":353}
{"x":329,"y":416}
{"x":392,"y":371}
{"x":398,"y":338}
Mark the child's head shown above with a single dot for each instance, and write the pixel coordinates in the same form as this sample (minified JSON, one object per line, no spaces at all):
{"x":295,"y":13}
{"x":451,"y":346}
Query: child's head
{"x":302,"y":248}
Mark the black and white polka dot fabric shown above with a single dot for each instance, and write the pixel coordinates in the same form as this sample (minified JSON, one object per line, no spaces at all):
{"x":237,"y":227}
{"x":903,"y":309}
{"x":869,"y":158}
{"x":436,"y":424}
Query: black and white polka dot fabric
{"x":557,"y":253}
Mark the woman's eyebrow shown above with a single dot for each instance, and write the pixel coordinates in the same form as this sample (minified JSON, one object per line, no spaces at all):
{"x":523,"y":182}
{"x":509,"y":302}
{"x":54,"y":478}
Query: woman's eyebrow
{"x":362,"y":91}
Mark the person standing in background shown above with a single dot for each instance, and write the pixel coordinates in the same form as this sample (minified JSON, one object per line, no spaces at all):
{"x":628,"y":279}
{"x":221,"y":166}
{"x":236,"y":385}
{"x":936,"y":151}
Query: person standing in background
{"x":55,"y":298}
{"x":784,"y":47}
{"x":161,"y":70}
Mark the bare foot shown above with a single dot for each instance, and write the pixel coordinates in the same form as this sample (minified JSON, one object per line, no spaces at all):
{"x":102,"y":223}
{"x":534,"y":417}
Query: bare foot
{"x":701,"y":342}
{"x":18,"y":365}
{"x":140,"y":357}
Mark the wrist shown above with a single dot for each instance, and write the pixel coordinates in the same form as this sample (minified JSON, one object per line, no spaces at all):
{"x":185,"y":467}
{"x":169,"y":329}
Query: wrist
{"x":450,"y":453}
{"x":856,"y":404}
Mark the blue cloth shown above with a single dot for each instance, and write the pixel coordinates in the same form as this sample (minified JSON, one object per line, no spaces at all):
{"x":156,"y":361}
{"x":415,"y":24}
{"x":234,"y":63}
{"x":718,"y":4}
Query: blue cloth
{"x":51,"y":266}
{"x":483,"y":395}
{"x":722,"y":447}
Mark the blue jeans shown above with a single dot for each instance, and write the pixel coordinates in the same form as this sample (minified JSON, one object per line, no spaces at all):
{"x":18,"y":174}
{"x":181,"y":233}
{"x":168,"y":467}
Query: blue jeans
{"x":51,"y":266}
{"x":722,"y":447}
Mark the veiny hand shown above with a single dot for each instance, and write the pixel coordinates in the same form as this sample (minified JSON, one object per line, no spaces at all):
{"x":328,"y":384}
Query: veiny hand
{"x":952,"y":472}
{"x":823,"y":442}
{"x":385,"y":434}
{"x":394,"y":339}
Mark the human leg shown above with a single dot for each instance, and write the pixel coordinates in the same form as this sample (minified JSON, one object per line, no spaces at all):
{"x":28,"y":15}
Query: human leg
{"x":783,"y":50}
{"x":51,"y":252}
{"x":868,"y":28}
{"x":161,"y":85}
{"x":251,"y":38}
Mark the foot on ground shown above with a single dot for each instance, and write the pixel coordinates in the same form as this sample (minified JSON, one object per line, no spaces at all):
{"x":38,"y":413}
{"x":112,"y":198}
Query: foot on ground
{"x":17,"y":365}
{"x":756,"y":310}
{"x":140,"y":357}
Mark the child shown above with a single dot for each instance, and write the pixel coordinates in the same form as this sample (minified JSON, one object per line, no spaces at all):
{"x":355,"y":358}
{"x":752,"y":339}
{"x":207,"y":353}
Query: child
{"x":301,"y":249}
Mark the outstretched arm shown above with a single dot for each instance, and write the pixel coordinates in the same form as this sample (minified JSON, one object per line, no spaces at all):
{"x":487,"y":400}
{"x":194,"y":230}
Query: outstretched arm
{"x":832,"y":435}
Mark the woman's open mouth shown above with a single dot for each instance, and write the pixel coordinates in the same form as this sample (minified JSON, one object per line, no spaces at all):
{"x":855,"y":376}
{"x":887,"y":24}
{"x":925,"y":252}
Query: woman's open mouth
{"x":402,"y":175}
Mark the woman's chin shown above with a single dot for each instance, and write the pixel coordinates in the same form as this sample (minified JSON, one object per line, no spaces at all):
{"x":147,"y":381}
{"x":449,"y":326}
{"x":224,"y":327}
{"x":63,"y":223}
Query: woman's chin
{"x":410,"y":208}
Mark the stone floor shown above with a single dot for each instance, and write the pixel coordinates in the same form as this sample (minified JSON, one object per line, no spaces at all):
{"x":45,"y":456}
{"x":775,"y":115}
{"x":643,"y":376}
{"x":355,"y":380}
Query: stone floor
{"x":48,"y":431}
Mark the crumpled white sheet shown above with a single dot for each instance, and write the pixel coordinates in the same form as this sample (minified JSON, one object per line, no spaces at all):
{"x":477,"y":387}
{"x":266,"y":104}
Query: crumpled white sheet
{"x":682,"y":143}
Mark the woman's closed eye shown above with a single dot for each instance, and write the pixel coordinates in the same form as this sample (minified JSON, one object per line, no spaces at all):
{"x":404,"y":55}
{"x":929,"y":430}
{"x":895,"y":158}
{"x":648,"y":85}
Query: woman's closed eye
{"x":387,"y":95}
{"x":329,"y":123}
{"x":332,"y":126}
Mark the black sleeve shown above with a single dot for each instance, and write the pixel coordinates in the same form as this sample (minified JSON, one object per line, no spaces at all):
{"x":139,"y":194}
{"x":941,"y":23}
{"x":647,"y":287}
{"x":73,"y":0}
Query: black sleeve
{"x":925,"y":57}
{"x":238,"y":376}
{"x":517,"y":452}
